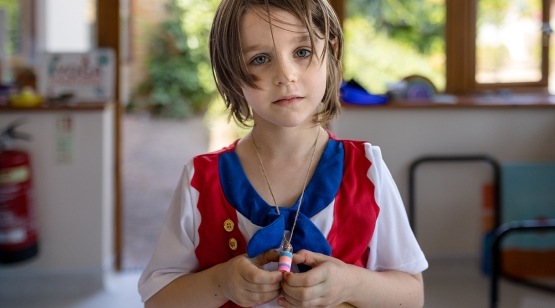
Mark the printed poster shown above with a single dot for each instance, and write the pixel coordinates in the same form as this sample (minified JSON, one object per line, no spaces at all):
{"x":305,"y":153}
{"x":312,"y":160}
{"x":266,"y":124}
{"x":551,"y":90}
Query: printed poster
{"x":86,"y":77}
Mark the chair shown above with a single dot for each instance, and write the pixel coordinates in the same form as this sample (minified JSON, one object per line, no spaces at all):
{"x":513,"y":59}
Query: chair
{"x":499,"y":234}
{"x":505,"y":221}
{"x":495,"y":168}
{"x":526,"y":232}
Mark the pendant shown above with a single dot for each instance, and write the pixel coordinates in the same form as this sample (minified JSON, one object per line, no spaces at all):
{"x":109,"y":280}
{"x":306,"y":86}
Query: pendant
{"x":285,"y":253}
{"x":285,"y":258}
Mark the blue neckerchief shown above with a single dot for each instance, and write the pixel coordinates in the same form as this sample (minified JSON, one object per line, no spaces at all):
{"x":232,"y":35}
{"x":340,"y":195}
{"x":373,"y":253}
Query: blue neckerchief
{"x":319,"y":193}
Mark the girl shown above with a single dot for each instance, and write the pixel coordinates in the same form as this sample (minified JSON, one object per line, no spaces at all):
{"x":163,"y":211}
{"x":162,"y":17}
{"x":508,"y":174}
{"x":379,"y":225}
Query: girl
{"x":289,"y":189}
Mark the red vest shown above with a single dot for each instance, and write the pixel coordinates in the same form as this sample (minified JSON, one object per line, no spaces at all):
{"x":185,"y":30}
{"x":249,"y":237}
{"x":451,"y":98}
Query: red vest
{"x":354,"y":216}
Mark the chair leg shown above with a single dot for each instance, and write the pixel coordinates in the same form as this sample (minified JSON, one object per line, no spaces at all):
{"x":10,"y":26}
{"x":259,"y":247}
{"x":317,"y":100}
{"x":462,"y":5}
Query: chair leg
{"x":496,"y":257}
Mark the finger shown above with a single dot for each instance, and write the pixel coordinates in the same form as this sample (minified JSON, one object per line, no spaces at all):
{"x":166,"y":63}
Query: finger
{"x":253,"y":288}
{"x":309,"y":258}
{"x":265,"y":258}
{"x":254,"y":275}
{"x":301,"y":282}
{"x":257,"y":298}
{"x":262,"y":287}
{"x":288,"y":300}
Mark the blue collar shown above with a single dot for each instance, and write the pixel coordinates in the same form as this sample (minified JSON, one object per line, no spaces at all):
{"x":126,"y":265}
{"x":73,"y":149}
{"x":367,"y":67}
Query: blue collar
{"x":320,"y":192}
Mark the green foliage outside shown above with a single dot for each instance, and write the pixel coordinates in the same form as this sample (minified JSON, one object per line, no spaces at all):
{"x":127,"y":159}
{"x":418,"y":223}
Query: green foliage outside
{"x":387,"y":40}
{"x":374,"y":60}
{"x":179,"y":82}
{"x":13,"y":41}
{"x":418,"y":23}
{"x":11,"y":8}
{"x":495,"y":11}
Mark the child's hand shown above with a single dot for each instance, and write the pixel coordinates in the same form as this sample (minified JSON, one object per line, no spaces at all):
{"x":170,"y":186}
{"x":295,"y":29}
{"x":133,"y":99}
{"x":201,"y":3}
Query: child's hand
{"x":326,"y":285}
{"x":246,"y":284}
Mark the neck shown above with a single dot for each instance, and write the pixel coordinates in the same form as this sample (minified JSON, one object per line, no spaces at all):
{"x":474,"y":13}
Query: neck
{"x":308,"y":172}
{"x":286,"y":143}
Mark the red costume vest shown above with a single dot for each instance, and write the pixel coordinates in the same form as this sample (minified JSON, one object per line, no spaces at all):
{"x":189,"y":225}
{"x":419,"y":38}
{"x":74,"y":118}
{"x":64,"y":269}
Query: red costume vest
{"x":354,"y":217}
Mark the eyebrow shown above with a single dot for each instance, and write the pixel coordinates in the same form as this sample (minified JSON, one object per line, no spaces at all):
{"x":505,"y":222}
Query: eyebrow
{"x":299,"y":39}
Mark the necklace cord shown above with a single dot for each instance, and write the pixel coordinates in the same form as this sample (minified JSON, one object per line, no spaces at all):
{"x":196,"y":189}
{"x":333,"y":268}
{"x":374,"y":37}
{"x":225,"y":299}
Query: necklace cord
{"x":265,"y":175}
{"x":287,"y":241}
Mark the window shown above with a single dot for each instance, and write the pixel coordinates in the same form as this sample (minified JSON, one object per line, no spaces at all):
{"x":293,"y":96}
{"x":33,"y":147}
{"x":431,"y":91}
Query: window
{"x":10,"y":29}
{"x":483,"y":45}
{"x":509,"y":42}
{"x":389,"y":40}
{"x":68,"y":25}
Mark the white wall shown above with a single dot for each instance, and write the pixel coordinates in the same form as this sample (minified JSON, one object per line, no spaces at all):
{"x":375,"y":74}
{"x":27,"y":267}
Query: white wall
{"x":73,"y":200}
{"x":448,"y":196}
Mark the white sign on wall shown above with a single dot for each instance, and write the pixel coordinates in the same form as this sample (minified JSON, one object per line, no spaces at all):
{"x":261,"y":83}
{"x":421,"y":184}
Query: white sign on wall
{"x":87,"y":77}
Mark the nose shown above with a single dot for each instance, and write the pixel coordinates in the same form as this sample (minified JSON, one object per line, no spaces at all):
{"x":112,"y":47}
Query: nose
{"x":286,"y":72}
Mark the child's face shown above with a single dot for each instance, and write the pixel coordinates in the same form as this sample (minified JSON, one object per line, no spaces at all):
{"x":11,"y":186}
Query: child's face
{"x":290,"y":76}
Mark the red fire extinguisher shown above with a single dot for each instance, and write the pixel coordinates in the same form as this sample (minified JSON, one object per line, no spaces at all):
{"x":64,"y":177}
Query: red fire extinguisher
{"x":18,"y":230}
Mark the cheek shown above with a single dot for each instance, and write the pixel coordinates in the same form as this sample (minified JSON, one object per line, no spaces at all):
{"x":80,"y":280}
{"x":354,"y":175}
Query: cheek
{"x":320,"y":78}
{"x":250,"y":95}
{"x":246,"y":93}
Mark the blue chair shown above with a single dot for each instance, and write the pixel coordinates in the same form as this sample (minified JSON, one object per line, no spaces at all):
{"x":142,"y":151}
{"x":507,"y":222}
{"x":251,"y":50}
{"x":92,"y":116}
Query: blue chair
{"x":499,"y":235}
{"x":528,"y":222}
{"x":518,"y":188}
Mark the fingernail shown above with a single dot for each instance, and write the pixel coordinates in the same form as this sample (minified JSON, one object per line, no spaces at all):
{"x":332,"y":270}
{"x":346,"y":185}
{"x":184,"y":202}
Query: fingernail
{"x":281,"y":301}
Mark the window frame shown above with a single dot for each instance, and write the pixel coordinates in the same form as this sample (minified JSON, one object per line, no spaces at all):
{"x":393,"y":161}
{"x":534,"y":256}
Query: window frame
{"x":460,"y":50}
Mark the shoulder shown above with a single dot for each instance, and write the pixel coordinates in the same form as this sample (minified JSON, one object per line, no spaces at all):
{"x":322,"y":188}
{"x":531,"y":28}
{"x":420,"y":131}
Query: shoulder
{"x":358,"y":148}
{"x":350,"y":142}
{"x":213,"y":156}
{"x":206,"y":166}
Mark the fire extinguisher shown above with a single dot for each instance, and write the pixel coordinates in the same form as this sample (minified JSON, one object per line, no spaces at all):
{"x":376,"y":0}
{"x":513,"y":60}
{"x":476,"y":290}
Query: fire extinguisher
{"x":18,"y":230}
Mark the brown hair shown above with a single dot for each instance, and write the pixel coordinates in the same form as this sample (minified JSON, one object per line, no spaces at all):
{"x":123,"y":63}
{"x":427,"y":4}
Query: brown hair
{"x":230,"y":70}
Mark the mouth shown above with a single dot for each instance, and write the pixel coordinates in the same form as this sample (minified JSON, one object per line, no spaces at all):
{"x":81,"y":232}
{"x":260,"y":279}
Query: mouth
{"x":288,"y":100}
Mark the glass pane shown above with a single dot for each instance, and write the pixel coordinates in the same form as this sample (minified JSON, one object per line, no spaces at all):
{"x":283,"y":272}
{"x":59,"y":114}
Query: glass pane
{"x":388,"y":40}
{"x":10,"y":29}
{"x":69,"y":25}
{"x":508,"y":41}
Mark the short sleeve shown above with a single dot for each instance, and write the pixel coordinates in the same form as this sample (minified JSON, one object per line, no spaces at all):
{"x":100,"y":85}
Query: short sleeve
{"x":393,"y":245}
{"x":174,"y":254}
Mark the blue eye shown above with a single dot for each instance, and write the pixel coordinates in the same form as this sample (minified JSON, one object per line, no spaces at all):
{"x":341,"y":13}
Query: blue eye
{"x":259,"y":60}
{"x":303,"y":53}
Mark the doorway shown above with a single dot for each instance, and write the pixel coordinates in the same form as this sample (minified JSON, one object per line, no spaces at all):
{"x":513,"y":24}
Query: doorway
{"x":154,"y":152}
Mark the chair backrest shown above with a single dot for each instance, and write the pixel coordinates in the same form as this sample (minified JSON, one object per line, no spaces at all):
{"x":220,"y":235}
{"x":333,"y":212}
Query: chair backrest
{"x":528,"y":193}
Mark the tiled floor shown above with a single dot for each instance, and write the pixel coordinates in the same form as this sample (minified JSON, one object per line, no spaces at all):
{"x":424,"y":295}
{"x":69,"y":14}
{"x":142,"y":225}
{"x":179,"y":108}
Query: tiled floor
{"x":121,"y":292}
{"x":448,"y":284}
{"x":460,"y":283}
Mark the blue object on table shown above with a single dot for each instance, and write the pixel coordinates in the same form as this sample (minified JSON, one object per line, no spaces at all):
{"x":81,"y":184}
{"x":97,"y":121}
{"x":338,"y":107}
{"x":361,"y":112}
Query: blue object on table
{"x":353,"y":93}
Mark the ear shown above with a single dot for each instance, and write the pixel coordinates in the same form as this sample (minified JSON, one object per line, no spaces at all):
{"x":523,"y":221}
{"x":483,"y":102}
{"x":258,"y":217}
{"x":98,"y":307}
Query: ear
{"x":334,"y":47}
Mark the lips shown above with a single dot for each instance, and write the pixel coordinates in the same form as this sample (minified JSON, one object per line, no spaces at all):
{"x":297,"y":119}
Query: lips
{"x":288,"y":100}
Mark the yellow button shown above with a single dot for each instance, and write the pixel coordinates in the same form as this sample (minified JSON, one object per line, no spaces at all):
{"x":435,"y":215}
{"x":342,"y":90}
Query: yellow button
{"x":233,"y":243}
{"x":229,"y":225}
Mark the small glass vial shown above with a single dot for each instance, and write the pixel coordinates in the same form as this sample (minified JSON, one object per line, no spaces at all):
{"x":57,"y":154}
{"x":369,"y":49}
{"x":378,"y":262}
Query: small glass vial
{"x":285,"y":258}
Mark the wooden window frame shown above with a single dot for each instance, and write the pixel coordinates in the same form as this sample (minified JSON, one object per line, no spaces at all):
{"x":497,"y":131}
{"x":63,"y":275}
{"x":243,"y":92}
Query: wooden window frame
{"x":108,"y":36}
{"x":460,"y":50}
